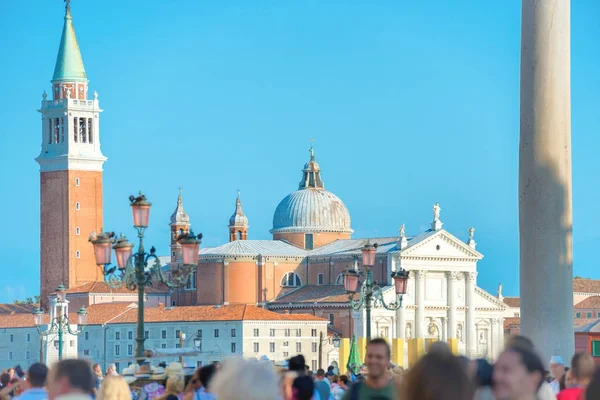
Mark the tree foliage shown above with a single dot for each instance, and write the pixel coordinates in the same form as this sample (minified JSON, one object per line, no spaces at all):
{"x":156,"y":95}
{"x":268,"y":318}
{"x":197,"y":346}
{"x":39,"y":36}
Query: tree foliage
{"x":29,"y":300}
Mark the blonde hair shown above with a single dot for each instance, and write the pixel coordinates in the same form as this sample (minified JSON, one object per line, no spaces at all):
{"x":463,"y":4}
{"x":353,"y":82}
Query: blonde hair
{"x":114,"y":387}
{"x":245,"y":380}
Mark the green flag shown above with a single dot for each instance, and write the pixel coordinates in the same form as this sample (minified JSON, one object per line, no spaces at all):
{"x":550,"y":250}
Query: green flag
{"x":354,"y":361}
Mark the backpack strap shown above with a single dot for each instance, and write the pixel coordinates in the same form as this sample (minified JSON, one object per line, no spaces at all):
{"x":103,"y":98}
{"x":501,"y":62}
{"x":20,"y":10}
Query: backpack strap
{"x":354,"y":390}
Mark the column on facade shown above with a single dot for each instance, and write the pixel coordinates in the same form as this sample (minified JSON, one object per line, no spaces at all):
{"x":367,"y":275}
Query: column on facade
{"x":401,"y":323}
{"x":546,"y":258}
{"x":493,"y":338}
{"x":420,"y":303}
{"x":470,"y":328}
{"x":444,"y":332}
{"x":225,"y":282}
{"x":358,"y":324}
{"x":451,"y":278}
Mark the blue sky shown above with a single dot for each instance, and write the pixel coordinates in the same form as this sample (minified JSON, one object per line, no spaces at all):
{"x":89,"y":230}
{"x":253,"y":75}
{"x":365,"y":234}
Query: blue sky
{"x":409,"y":103}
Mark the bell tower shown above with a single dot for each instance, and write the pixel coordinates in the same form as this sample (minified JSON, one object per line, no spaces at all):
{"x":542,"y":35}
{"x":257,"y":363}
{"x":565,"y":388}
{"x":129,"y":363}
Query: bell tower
{"x":180,"y":224}
{"x":70,"y":171}
{"x":238,"y":223}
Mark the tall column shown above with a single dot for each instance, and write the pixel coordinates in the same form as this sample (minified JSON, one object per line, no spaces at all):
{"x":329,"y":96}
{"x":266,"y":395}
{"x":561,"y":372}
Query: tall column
{"x":451,"y":278}
{"x":399,"y":338}
{"x":545,"y":218}
{"x":470,"y":330}
{"x":401,"y":323}
{"x":420,"y":300}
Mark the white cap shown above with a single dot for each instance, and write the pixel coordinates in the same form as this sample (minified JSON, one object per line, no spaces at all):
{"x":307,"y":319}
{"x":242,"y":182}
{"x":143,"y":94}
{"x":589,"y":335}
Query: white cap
{"x":557,"y":360}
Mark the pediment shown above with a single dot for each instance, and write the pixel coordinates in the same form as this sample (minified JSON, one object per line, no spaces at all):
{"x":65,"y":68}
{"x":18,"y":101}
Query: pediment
{"x":440,"y":244}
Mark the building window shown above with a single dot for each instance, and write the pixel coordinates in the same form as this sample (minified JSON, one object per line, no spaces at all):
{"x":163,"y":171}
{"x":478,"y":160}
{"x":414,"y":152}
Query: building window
{"x":82,"y":130}
{"x":314,"y":347}
{"x":86,"y":352}
{"x":129,"y":349}
{"x":177,"y":346}
{"x":589,"y":315}
{"x":77,"y":206}
{"x":77,"y":254}
{"x":232,"y":332}
{"x":299,"y":347}
{"x":255,"y":332}
{"x":191,"y":282}
{"x":286,"y":354}
{"x":163,"y":346}
{"x":308,"y":241}
{"x":118,"y":367}
{"x":340,"y":279}
{"x":313,"y":332}
{"x":146,"y":334}
{"x":198,"y":364}
{"x":286,"y":344}
{"x":27,"y":355}
{"x":314,"y":365}
{"x":90,"y":133}
{"x":271,"y":332}
{"x":49,"y":130}
{"x":11,"y":338}
{"x":117,"y":335}
{"x":77,"y":231}
{"x":163,"y":334}
{"x":76,"y":181}
{"x":287,"y":332}
{"x":117,"y":350}
{"x":291,"y":279}
{"x":216,"y":333}
{"x":56,"y":130}
{"x":199,"y":333}
{"x":10,"y":355}
{"x":596,"y":348}
{"x":130,"y":335}
{"x":233,"y":347}
{"x":272,"y":347}
{"x":331,"y":319}
{"x":320,"y":278}
{"x":578,"y":315}
{"x":173,"y":303}
{"x":29,"y":337}
{"x":256,"y":347}
{"x":239,"y":235}
{"x":86,"y":335}
{"x":298,"y":332}
{"x":75,"y":130}
{"x":177,"y":334}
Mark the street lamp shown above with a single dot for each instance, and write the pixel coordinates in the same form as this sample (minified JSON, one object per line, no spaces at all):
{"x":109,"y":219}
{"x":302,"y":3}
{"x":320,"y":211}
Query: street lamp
{"x":370,"y":289}
{"x":59,"y":319}
{"x":134,"y":270}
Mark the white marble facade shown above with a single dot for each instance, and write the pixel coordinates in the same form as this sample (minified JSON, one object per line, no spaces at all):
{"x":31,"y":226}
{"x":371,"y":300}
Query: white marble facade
{"x":443,"y":300}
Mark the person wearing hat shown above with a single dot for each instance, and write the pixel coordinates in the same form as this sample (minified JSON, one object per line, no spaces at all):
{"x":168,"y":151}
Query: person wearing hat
{"x":557,"y":368}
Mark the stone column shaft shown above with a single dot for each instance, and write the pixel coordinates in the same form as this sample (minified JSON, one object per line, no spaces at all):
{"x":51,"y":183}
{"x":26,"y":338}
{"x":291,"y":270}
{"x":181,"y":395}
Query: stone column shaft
{"x":420,"y":300}
{"x":400,"y":323}
{"x":451,"y":277}
{"x":545,"y":200}
{"x":471,"y":330}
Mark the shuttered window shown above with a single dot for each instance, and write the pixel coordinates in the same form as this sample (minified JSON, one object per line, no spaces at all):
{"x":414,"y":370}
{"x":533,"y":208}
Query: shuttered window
{"x":596,"y":348}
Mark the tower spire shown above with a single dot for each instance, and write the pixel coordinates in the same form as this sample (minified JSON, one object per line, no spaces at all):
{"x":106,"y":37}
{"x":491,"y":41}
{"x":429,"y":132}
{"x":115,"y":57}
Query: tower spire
{"x":311,"y":174}
{"x":238,"y":223}
{"x":69,"y":63}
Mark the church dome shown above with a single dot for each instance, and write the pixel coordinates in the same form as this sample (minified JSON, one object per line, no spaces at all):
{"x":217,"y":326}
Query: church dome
{"x":311,"y":208}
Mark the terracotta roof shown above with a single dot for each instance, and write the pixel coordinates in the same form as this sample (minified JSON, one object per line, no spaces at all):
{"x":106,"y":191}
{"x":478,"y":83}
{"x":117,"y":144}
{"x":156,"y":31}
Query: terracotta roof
{"x":315,"y":294}
{"x":586,"y":285}
{"x":590,"y":302}
{"x":102,"y":287}
{"x":508,"y":322}
{"x":512,"y":301}
{"x":122,"y":313}
{"x":17,"y":308}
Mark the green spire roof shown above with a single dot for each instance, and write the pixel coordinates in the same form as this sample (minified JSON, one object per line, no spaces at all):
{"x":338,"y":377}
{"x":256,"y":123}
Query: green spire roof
{"x":69,"y":64}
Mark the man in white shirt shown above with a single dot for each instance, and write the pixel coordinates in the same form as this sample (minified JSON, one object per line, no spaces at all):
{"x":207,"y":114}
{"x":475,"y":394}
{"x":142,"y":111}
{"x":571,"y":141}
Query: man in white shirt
{"x":557,"y":368}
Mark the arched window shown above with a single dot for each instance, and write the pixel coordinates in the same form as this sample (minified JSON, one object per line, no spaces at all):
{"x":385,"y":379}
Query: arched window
{"x":340,"y":279}
{"x":239,"y":235}
{"x":290,"y":279}
{"x":320,"y":279}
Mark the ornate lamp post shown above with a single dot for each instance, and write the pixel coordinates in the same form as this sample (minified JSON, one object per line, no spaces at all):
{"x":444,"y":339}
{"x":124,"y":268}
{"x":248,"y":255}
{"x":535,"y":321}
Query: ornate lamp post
{"x":59,"y":319}
{"x":135,"y":271}
{"x":370,"y":290}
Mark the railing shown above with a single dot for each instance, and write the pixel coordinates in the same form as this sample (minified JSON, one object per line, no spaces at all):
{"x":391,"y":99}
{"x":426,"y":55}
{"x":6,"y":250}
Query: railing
{"x":58,"y":103}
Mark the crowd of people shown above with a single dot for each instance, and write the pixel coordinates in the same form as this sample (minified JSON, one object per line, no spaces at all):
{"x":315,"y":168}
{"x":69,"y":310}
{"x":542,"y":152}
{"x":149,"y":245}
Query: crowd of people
{"x":518,"y":374}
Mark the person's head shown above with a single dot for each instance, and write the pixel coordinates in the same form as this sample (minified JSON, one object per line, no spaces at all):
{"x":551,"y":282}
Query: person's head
{"x":240,"y":379}
{"x":36,"y":375}
{"x":569,"y":381}
{"x":483,"y":373}
{"x":557,"y":367}
{"x":114,"y":388}
{"x":518,"y":372}
{"x":437,"y":377}
{"x":335,"y":379}
{"x":330,"y":369}
{"x":320,"y":374}
{"x":309,"y":374}
{"x":303,"y":388}
{"x":378,"y":358}
{"x":206,"y":374}
{"x":593,"y":389}
{"x":194,"y":382}
{"x":4,"y":379}
{"x":343,"y":381}
{"x":520,"y":342}
{"x":70,"y":376}
{"x":11,"y":372}
{"x":298,"y":364}
{"x":439,"y":347}
{"x":97,"y":370}
{"x":112,"y":369}
{"x":582,"y":367}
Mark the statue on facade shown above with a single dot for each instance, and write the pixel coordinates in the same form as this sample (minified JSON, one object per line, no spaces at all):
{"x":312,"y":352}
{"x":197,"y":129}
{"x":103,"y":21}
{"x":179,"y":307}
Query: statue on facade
{"x":471,"y":233}
{"x":408,"y":331}
{"x":95,"y":95}
{"x":436,"y":211}
{"x":500,"y":291}
{"x":432,"y":330}
{"x":459,"y":333}
{"x":402,"y":233}
{"x":68,"y":91}
{"x":44,"y":95}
